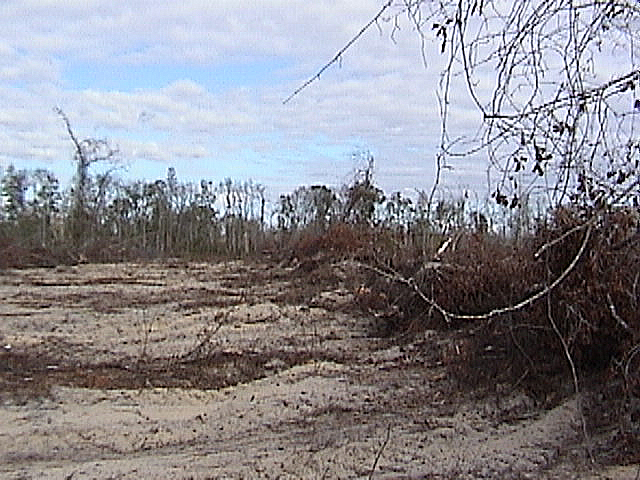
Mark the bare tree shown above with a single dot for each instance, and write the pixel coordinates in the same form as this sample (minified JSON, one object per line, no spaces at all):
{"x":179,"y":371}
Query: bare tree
{"x":362,"y":196}
{"x":87,"y":152}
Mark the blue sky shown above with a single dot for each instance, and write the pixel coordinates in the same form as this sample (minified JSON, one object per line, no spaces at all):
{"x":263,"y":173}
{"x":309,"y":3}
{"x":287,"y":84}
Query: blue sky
{"x":199,"y":85}
{"x":214,"y":78}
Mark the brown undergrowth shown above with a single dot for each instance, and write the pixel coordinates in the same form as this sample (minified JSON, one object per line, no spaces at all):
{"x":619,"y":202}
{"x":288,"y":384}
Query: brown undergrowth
{"x":31,"y":374}
{"x":588,"y":321}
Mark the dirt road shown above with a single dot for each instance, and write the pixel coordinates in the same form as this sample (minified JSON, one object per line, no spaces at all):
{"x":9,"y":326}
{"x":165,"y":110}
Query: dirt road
{"x":236,"y":370}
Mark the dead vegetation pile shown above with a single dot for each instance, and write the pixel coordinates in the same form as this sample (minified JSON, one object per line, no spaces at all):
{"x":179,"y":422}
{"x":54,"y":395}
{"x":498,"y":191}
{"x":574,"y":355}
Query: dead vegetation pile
{"x":15,"y":255}
{"x":549,"y":314}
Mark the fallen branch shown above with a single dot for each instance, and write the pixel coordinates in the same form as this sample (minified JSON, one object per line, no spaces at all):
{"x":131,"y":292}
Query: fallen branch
{"x":448,"y":316}
{"x":557,"y":240}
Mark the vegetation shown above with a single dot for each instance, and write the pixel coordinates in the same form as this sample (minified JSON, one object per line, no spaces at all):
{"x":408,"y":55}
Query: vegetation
{"x":542,"y":299}
{"x":544,"y":302}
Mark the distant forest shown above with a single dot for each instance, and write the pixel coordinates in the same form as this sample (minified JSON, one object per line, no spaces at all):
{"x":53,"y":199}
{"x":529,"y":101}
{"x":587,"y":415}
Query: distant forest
{"x":101,"y":217}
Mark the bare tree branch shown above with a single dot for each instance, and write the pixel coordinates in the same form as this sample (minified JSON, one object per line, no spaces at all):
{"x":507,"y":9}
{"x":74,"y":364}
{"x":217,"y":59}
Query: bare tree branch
{"x":64,"y":117}
{"x":338,"y":56}
{"x":448,"y":316}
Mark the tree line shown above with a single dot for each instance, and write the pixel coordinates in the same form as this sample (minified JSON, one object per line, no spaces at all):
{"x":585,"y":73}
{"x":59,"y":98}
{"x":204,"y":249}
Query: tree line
{"x":104,"y":217}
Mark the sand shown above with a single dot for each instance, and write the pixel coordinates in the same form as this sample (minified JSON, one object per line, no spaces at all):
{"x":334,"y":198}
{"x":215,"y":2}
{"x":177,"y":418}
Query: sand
{"x":181,"y":370}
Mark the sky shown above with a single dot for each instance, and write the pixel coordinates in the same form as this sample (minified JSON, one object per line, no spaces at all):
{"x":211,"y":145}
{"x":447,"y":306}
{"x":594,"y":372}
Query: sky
{"x":199,"y":85}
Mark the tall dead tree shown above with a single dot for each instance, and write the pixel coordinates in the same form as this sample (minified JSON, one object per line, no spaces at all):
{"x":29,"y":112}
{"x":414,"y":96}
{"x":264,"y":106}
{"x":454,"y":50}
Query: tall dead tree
{"x":87,"y":152}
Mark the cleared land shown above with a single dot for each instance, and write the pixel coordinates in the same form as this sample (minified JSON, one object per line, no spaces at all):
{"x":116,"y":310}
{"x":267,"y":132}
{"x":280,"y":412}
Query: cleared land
{"x":239,"y":370}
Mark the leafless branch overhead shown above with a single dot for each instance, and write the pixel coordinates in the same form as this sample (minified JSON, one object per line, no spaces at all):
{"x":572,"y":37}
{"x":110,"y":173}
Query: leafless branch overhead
{"x":338,"y":55}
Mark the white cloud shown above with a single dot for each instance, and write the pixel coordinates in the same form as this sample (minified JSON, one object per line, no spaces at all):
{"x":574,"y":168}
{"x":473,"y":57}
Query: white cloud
{"x":381,"y":97}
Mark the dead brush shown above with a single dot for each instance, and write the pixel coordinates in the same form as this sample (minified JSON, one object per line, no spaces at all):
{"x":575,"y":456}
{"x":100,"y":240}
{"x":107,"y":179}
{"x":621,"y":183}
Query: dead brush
{"x":339,"y":242}
{"x":145,"y":326}
{"x":597,"y":306}
{"x":561,"y":304}
{"x":204,"y":345}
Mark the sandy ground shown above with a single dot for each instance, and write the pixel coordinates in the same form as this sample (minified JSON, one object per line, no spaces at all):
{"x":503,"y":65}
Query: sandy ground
{"x":236,"y":370}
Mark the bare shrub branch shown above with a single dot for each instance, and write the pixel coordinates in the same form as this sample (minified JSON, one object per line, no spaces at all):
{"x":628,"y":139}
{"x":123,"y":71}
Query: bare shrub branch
{"x":202,"y":347}
{"x":574,"y":376}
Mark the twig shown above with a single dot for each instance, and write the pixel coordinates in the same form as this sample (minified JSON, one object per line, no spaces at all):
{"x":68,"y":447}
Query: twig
{"x":206,"y":333}
{"x":338,"y":56}
{"x":560,"y":102}
{"x":574,"y":374}
{"x":379,"y":454}
{"x":324,"y":474}
{"x":615,"y":315}
{"x":75,"y":141}
{"x":632,"y":353}
{"x":147,"y":328}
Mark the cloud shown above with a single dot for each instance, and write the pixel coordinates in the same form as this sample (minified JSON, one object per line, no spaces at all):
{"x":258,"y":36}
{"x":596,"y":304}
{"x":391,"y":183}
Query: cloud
{"x":190,"y":30}
{"x":199,"y":85}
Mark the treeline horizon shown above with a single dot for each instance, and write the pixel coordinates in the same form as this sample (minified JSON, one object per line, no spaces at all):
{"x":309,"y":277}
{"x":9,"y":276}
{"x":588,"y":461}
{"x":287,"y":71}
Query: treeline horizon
{"x":101,"y":217}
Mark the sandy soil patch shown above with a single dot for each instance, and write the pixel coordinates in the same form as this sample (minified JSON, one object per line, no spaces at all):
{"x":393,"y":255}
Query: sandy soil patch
{"x":236,"y":370}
